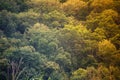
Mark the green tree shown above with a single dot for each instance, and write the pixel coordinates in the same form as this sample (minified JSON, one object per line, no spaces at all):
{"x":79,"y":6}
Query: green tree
{"x":24,"y":63}
{"x":26,"y":20}
{"x":43,"y":39}
{"x":13,"y":5}
{"x":54,"y":19}
{"x":44,"y":6}
{"x":8,"y":22}
{"x":85,"y":74}
{"x":4,"y":44}
{"x":76,"y":40}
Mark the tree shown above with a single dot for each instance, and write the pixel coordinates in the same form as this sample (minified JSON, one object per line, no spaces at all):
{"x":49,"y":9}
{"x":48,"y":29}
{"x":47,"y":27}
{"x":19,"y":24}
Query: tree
{"x":103,"y":19}
{"x":76,"y":41}
{"x":106,"y":73}
{"x":106,"y":21}
{"x":86,"y":74}
{"x":54,"y":19}
{"x":8,"y":22}
{"x":24,"y":63}
{"x":79,"y":74}
{"x":116,"y":5}
{"x":26,"y":20}
{"x":16,"y":60}
{"x":105,"y":51}
{"x":63,"y":58}
{"x":13,"y":5}
{"x":4,"y":44}
{"x":44,"y":6}
{"x":43,"y":39}
{"x":99,"y":34}
{"x":76,"y":8}
{"x":100,"y":5}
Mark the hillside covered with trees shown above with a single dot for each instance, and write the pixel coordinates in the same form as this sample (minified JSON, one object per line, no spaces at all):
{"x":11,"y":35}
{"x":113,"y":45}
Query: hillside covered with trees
{"x":59,"y":39}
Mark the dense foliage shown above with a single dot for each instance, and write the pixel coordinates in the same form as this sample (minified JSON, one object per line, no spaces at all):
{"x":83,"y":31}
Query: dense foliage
{"x":59,"y":40}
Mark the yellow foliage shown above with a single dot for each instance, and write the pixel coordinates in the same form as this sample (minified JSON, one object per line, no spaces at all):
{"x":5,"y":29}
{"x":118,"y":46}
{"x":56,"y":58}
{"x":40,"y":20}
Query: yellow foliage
{"x":105,"y":47}
{"x":52,"y":65}
{"x":74,"y":3}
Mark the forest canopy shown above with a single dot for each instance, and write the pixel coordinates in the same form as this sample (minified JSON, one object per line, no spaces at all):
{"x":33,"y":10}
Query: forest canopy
{"x":59,"y":40}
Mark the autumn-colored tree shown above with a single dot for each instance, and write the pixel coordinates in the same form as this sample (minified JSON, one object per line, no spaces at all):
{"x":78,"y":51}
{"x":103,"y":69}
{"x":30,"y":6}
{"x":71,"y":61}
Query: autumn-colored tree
{"x":76,"y":8}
